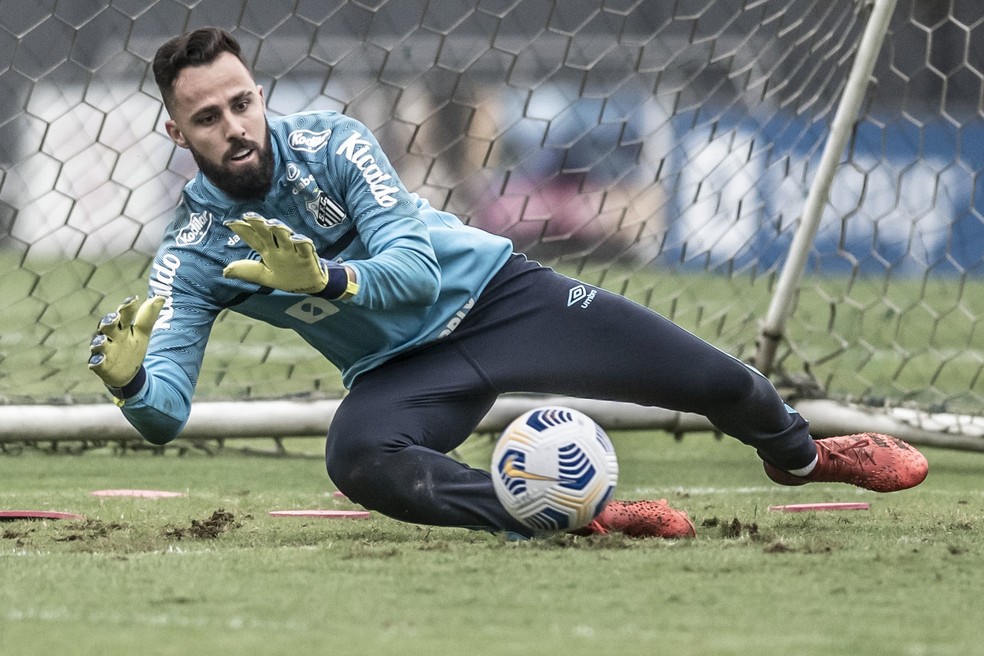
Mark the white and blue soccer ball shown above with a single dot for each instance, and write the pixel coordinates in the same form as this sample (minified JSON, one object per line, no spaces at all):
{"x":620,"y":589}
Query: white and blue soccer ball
{"x":554,"y":469}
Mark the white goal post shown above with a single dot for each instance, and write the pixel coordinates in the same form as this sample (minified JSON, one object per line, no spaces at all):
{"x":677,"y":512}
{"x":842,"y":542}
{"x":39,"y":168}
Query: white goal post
{"x":797,"y":181}
{"x":773,"y":326}
{"x":282,"y":419}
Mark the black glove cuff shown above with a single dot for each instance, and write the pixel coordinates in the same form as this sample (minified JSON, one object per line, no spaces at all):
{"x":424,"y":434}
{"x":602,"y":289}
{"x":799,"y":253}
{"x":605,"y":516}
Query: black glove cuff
{"x":130,"y":388}
{"x":341,"y":284}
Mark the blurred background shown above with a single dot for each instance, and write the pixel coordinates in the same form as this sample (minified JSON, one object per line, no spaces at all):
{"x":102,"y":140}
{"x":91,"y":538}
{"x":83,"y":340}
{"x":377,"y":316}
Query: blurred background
{"x":662,"y":150}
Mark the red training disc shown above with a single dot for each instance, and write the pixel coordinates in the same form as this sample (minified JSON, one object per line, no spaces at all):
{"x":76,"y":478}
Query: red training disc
{"x":9,"y":515}
{"x":326,"y":514}
{"x":806,"y":507}
{"x":143,"y":494}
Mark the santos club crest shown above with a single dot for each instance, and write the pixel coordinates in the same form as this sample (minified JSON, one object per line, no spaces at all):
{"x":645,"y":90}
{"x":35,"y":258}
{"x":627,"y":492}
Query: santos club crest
{"x":326,"y":212}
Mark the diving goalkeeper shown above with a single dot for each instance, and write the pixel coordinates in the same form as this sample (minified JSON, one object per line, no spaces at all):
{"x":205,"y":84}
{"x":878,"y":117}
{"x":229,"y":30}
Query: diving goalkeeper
{"x":302,"y":222}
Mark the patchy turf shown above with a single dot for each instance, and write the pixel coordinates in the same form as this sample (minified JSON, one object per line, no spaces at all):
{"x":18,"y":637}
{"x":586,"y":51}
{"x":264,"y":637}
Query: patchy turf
{"x":212,"y":572}
{"x":215,"y":525}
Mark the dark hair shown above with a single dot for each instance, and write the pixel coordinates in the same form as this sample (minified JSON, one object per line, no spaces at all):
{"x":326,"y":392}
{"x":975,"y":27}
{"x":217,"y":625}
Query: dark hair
{"x":197,"y":48}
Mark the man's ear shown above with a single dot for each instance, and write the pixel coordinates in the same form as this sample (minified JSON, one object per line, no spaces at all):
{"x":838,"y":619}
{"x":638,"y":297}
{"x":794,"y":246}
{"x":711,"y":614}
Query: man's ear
{"x":176,"y":135}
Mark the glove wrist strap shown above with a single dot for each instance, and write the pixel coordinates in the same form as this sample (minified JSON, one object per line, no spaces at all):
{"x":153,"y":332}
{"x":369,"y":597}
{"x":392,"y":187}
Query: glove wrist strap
{"x":342,"y":284}
{"x":131,"y":388}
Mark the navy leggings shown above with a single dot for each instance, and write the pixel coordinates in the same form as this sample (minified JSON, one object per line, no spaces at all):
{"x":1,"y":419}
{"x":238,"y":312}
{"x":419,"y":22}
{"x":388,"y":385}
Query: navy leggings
{"x":534,"y":330}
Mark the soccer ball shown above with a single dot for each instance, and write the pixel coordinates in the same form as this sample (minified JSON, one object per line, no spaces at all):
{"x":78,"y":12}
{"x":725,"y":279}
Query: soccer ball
{"x":554,"y":469}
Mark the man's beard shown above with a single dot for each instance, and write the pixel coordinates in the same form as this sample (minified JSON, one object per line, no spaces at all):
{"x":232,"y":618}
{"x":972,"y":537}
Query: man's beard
{"x":251,"y":183}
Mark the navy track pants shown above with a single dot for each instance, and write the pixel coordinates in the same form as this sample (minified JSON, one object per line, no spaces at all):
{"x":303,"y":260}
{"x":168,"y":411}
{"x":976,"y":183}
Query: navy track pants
{"x":534,"y":330}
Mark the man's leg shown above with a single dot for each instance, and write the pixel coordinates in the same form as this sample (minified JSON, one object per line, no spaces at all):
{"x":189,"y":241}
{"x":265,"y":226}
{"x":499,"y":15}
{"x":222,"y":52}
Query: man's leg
{"x":563,"y":337}
{"x":533,"y":331}
{"x":554,"y":335}
{"x":387,"y":443}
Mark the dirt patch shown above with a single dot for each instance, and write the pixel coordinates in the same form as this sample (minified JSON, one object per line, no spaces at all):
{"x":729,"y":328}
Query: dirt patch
{"x":16,"y":535}
{"x":220,"y":522}
{"x":733,"y":529}
{"x":778,"y":547}
{"x":19,"y":537}
{"x":89,"y":529}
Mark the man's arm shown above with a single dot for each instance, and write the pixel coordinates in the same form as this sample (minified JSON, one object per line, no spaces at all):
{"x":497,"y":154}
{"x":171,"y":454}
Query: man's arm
{"x":117,"y":354}
{"x":149,"y":354}
{"x":402,"y":269}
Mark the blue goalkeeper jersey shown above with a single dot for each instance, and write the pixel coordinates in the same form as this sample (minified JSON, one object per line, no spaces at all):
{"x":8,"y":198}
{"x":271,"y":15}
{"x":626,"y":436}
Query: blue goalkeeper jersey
{"x":419,"y":269}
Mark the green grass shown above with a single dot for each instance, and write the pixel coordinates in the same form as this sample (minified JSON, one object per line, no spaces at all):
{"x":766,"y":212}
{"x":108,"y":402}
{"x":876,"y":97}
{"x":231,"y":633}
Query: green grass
{"x":140,"y":576}
{"x":213,"y":573}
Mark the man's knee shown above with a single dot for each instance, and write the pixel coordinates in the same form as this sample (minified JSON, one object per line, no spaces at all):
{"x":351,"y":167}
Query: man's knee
{"x":346,"y":459}
{"x":722,"y":384}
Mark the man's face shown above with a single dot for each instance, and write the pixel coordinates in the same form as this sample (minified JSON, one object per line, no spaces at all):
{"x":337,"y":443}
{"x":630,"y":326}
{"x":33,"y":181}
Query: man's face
{"x":218,"y":114}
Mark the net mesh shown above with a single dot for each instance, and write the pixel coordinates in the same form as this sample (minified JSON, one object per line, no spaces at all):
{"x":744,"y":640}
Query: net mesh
{"x":659,"y":149}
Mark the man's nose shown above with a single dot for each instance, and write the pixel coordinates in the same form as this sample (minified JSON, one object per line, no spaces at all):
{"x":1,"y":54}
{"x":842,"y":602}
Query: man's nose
{"x":234,"y":128}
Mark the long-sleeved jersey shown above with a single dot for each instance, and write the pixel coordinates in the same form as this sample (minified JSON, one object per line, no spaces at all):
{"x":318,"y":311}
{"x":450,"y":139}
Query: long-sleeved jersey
{"x":419,"y":269}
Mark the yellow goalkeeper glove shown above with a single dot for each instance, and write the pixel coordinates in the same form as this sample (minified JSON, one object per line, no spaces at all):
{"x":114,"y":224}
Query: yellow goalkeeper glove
{"x":288,"y":261}
{"x":120,"y":344}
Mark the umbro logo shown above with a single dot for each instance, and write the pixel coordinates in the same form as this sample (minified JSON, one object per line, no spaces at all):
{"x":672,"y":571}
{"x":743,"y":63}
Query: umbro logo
{"x":580,"y":295}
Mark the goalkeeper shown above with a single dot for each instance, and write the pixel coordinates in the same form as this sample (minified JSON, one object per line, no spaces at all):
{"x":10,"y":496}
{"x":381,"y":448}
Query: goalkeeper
{"x":302,"y":222}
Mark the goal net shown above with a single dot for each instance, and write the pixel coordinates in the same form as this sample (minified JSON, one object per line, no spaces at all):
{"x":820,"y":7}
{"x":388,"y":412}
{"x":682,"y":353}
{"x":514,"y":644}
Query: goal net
{"x":663,"y":150}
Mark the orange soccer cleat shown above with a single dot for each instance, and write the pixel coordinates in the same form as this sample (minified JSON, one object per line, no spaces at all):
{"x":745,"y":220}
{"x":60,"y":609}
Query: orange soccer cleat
{"x":870,"y":460}
{"x":641,"y":519}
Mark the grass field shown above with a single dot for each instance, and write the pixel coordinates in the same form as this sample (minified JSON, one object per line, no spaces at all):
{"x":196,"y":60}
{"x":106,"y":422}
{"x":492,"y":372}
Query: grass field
{"x":213,"y":573}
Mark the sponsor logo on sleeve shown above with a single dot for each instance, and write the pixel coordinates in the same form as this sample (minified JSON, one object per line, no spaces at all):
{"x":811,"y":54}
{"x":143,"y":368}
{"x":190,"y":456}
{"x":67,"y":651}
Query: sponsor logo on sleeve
{"x":358,"y":150}
{"x":162,"y":277}
{"x":195,"y":230}
{"x":308,"y":141}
